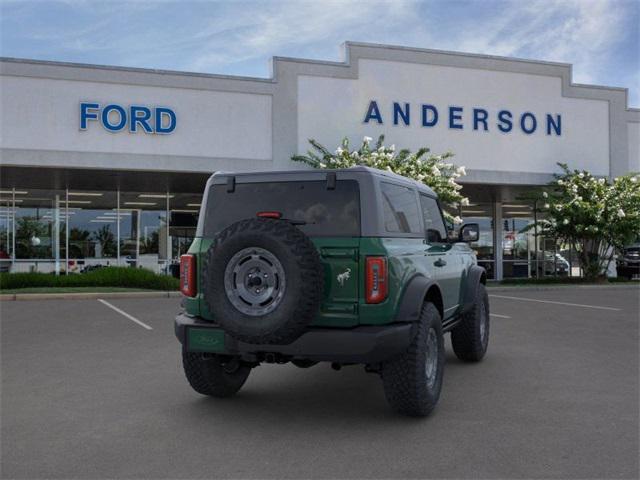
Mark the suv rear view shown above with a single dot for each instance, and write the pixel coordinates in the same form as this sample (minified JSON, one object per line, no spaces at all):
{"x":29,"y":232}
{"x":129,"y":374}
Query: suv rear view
{"x":349,"y":266}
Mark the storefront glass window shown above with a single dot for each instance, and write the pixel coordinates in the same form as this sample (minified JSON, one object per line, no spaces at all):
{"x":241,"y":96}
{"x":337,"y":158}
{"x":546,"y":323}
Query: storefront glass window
{"x":518,"y":240}
{"x":145,"y":219}
{"x":6,"y":230}
{"x":92,"y":229}
{"x":183,"y":219}
{"x":482,"y":214}
{"x":39,"y":221}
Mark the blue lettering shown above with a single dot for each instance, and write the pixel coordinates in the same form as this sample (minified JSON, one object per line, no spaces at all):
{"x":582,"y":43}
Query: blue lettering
{"x":505,"y":124}
{"x":105,"y":118}
{"x":523,"y":123}
{"x":556,"y":125}
{"x":455,"y":113}
{"x":373,"y":112}
{"x":480,"y":116}
{"x":162,"y":112}
{"x":399,"y":112}
{"x":425,"y":115}
{"x":86,"y":114}
{"x":139,"y":115}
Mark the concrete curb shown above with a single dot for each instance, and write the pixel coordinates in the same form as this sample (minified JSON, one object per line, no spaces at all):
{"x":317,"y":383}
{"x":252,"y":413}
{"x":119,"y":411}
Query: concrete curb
{"x":85,"y":296}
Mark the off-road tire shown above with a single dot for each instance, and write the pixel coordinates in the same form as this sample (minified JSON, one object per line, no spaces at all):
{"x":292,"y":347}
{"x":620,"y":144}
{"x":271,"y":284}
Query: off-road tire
{"x":404,"y":376}
{"x":303,"y":272}
{"x":467,"y":338}
{"x":214,"y":375}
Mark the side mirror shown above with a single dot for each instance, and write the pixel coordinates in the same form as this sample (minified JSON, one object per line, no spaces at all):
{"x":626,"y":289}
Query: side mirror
{"x":469,"y":232}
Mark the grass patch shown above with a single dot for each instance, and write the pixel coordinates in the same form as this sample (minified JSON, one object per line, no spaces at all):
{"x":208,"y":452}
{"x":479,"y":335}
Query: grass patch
{"x":117,"y":277}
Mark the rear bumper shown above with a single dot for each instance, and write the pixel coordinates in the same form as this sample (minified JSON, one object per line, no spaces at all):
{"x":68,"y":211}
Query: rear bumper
{"x":364,"y":344}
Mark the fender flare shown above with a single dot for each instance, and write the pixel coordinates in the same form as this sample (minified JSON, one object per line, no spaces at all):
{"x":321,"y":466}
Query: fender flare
{"x":475,"y":276}
{"x":410,"y":304}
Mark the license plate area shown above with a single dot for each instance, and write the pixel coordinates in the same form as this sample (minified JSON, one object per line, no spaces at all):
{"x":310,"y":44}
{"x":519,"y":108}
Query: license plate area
{"x":205,"y":340}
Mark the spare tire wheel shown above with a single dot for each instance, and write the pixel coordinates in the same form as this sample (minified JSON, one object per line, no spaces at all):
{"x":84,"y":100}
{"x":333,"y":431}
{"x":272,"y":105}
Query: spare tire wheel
{"x":262,"y":281}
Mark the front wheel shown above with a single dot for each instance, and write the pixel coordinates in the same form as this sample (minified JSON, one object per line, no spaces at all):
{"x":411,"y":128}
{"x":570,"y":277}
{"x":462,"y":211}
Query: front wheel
{"x":214,"y":375}
{"x":413,"y":380}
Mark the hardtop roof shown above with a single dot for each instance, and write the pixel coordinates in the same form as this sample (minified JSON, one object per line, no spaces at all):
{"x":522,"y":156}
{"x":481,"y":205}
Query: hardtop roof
{"x":272,"y":175}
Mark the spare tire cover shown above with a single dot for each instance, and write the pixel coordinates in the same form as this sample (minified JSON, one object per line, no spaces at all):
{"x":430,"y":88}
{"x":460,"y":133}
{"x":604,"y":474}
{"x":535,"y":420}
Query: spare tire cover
{"x":262,"y":280}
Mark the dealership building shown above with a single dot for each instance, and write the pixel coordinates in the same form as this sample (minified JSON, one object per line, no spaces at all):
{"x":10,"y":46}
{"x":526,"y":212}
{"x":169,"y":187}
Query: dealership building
{"x":106,"y":165}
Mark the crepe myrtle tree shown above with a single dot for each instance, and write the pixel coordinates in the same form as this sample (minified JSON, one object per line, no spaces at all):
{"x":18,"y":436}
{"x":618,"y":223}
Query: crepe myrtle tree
{"x":595,"y":216}
{"x":433,"y":170}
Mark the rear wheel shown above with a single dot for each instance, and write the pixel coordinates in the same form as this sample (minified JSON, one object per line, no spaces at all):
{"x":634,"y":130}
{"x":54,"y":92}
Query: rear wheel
{"x":413,"y":380}
{"x":214,"y":375}
{"x":470,"y":338}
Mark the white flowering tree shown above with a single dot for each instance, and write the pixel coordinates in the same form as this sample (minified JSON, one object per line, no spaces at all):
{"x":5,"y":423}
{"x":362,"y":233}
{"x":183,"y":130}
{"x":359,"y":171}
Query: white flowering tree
{"x":595,"y":216}
{"x":433,"y":170}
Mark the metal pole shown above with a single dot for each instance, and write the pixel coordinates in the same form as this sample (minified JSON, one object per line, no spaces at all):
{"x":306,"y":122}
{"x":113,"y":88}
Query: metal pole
{"x":56,"y":233}
{"x":66,"y":246}
{"x":497,"y":239}
{"x":13,"y":226}
{"x":535,"y":234}
{"x":118,"y":226}
{"x":168,"y":247}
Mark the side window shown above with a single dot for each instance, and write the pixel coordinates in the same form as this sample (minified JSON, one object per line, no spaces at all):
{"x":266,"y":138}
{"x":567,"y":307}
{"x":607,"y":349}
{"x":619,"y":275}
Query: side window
{"x":435,"y":230}
{"x":401,"y":214}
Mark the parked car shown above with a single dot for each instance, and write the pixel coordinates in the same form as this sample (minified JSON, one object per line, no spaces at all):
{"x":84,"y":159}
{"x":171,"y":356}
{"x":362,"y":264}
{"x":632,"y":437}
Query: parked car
{"x":5,"y":261}
{"x":628,"y":263}
{"x":554,"y":264}
{"x":347,"y":266}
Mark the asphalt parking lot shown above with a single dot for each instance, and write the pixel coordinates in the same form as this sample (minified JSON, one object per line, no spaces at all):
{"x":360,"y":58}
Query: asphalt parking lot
{"x":89,"y":393}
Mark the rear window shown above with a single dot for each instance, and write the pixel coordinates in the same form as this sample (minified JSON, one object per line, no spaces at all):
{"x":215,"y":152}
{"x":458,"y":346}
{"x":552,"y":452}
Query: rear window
{"x":326,"y":213}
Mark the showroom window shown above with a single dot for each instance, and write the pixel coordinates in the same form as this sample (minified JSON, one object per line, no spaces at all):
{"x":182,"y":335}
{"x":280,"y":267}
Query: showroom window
{"x":483,"y":215}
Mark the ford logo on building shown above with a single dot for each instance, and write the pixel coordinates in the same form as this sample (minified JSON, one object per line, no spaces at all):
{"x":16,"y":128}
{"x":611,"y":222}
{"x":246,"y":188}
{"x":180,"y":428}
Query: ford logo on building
{"x":134,"y":118}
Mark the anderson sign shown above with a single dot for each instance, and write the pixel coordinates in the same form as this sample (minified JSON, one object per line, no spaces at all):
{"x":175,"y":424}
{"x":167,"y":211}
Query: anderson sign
{"x":460,"y":118}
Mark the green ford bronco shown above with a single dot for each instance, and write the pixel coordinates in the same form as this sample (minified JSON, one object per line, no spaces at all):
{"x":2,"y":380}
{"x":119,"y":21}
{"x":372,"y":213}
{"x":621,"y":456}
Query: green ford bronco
{"x":351,"y":266}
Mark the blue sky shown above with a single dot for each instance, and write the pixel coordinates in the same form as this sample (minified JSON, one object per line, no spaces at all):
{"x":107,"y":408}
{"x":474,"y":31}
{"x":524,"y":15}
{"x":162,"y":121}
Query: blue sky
{"x":600,"y":38}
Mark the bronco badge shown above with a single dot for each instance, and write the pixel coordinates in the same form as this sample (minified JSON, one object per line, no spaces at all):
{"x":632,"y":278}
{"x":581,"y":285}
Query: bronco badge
{"x":343,"y":277}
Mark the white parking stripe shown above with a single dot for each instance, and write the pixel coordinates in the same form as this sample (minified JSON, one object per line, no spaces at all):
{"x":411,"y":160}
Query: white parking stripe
{"x":556,"y":303}
{"x":499,"y":316}
{"x":125,"y":314}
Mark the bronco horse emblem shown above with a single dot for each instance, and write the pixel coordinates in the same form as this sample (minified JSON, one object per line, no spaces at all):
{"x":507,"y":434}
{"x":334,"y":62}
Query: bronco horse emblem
{"x":344,"y":276}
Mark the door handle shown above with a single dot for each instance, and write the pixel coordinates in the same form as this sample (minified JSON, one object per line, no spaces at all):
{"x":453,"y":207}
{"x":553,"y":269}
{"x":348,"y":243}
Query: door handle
{"x":440,"y":263}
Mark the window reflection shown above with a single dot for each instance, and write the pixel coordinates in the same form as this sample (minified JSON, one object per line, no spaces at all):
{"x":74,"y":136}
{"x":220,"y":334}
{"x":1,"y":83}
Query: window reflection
{"x":482,"y":214}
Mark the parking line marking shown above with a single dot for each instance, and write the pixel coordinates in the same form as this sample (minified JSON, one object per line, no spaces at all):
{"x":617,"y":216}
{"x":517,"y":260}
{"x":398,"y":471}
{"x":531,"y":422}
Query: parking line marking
{"x":499,"y":316}
{"x":125,"y":314}
{"x":557,"y":303}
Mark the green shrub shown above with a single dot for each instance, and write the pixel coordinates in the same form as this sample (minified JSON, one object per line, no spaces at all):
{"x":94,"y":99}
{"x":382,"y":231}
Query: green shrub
{"x":101,"y":277}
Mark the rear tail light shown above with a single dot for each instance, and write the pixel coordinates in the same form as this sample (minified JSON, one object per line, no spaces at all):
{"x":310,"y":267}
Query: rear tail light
{"x":376,"y":280}
{"x":188,"y":275}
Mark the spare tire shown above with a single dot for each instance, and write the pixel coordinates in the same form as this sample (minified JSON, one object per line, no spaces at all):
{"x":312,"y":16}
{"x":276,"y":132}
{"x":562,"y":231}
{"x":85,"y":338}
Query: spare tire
{"x":262,"y":281}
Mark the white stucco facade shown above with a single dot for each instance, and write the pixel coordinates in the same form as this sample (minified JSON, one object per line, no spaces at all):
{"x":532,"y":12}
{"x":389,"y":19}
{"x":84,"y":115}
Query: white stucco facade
{"x":106,"y":165}
{"x":238,"y":123}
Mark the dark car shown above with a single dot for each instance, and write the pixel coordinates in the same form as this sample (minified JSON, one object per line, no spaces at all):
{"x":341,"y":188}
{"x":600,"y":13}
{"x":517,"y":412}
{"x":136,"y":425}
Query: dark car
{"x":628,"y":263}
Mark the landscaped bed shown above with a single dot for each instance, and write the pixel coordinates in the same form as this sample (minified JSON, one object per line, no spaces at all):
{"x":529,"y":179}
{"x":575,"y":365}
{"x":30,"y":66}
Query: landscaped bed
{"x":125,"y":278}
